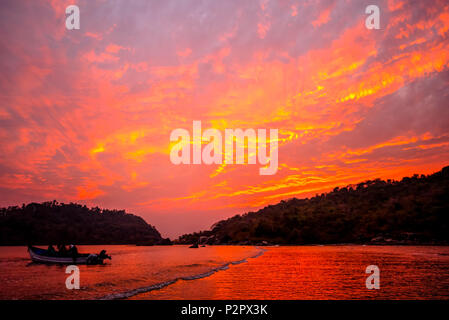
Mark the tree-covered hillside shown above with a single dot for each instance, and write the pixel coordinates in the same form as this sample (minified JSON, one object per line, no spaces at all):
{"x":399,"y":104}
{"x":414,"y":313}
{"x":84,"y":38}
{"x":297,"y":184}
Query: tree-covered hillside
{"x":52,"y":222}
{"x":413,"y":210}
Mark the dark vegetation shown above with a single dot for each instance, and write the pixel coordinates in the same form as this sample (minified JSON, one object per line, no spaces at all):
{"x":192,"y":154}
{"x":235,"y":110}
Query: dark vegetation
{"x":53,"y":222}
{"x":414,"y":210}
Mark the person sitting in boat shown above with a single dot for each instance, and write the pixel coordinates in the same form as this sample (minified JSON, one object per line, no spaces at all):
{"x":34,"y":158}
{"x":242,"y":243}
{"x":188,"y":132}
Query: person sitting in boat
{"x":62,"y":251}
{"x":73,"y":251}
{"x":51,"y":250}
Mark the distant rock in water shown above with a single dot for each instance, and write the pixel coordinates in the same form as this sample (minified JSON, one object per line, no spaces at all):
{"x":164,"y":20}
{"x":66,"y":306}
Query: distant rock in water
{"x":414,"y":210}
{"x":53,"y":222}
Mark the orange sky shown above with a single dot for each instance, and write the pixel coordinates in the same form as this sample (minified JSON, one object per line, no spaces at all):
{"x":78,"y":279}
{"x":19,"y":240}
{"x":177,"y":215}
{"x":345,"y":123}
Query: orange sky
{"x":86,"y":114}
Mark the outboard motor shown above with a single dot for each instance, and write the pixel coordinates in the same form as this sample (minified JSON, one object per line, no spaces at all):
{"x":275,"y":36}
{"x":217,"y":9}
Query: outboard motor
{"x":103,"y":255}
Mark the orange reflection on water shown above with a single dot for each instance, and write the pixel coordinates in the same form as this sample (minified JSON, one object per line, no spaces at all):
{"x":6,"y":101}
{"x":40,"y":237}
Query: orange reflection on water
{"x":324,"y":272}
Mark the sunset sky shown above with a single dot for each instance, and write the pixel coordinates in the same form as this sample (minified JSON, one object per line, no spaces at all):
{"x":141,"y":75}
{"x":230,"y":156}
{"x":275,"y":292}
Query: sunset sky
{"x":86,"y":115}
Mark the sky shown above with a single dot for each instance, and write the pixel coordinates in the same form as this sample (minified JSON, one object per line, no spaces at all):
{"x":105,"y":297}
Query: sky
{"x":86,"y":115}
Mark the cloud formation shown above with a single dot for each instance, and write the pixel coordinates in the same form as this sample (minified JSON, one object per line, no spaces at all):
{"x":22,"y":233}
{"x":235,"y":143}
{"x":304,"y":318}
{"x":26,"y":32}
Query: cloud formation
{"x":86,"y":114}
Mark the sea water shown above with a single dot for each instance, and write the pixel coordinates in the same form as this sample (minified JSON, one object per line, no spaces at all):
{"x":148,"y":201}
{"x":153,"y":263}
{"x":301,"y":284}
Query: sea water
{"x":235,"y":272}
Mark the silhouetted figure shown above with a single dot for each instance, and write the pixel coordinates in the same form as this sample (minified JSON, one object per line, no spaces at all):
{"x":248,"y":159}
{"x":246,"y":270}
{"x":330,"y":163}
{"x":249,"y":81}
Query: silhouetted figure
{"x":51,"y":250}
{"x":73,"y":251}
{"x":62,"y":251}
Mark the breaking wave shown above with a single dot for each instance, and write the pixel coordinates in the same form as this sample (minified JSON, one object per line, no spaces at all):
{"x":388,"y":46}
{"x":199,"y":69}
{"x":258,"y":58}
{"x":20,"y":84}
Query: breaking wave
{"x":158,"y":286}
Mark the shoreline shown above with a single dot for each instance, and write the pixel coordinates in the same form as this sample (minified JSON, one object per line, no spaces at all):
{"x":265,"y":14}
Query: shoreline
{"x":162,"y":285}
{"x":388,"y":243}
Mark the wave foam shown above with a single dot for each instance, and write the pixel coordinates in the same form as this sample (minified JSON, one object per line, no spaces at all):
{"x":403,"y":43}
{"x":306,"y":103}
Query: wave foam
{"x":158,"y":286}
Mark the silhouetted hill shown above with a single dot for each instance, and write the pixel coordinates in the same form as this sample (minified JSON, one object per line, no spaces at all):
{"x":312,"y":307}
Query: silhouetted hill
{"x":52,"y":222}
{"x":413,"y":210}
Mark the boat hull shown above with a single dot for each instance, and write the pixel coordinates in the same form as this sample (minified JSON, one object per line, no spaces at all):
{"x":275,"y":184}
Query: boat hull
{"x":40,"y":256}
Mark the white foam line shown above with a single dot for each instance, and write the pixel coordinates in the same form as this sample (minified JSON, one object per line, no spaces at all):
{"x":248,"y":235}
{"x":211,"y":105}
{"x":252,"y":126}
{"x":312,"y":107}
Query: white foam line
{"x":158,"y":286}
{"x":239,"y":262}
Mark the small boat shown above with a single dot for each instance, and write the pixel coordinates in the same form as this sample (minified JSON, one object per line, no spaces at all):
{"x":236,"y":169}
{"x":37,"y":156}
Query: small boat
{"x":195,"y":245}
{"x":43,"y":256}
